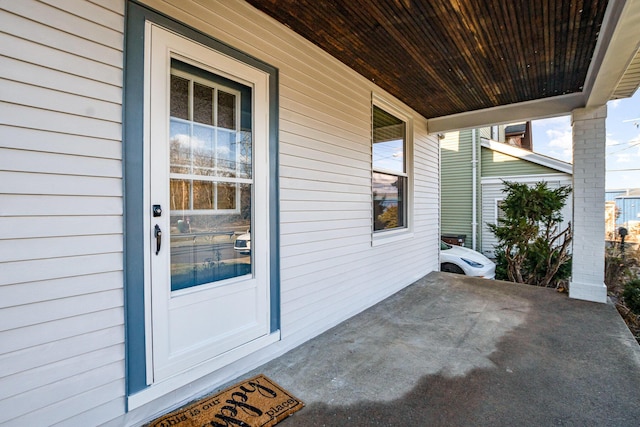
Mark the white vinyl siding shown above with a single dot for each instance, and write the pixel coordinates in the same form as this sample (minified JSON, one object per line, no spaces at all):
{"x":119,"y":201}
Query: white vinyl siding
{"x":61,"y":202}
{"x":491,"y":194}
{"x":61,"y":299}
{"x":329,"y":269}
{"x":456,"y":149}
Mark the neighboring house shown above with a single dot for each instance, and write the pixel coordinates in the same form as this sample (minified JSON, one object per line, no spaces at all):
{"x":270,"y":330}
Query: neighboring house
{"x":517,"y":135}
{"x":624,"y":208}
{"x":465,"y":211}
{"x":140,"y":140}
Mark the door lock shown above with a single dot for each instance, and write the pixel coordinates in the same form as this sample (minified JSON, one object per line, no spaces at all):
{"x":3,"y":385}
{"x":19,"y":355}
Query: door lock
{"x":157,"y":210}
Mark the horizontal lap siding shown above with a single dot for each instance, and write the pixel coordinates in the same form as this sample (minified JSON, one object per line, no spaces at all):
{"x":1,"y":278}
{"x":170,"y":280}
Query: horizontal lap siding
{"x":501,"y":165}
{"x":490,"y":193}
{"x":330,"y":270}
{"x":61,"y":299}
{"x":457,"y":194}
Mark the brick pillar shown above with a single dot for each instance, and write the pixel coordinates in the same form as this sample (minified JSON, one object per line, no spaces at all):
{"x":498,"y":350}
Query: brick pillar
{"x":587,"y":277}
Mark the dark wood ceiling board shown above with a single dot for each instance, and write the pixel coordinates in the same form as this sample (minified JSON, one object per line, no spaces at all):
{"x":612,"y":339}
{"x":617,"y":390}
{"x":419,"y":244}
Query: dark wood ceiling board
{"x":451,"y":56}
{"x":447,"y":73}
{"x":512,"y":52}
{"x":490,"y":51}
{"x":463,"y":71}
{"x":551,"y":45}
{"x":593,"y":23}
{"x":399,"y":43}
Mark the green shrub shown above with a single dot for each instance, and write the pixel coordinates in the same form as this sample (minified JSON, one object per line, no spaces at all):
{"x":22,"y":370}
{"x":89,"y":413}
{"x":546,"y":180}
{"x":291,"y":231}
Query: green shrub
{"x":631,"y":295}
{"x":532,"y":248}
{"x":501,"y":265}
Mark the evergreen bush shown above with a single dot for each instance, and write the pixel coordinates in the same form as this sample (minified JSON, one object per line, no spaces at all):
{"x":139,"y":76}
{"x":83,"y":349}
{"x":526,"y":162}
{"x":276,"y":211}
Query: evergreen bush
{"x":531,"y":247}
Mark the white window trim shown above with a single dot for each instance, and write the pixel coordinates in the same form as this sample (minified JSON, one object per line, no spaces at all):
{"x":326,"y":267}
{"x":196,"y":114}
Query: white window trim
{"x":403,"y":113}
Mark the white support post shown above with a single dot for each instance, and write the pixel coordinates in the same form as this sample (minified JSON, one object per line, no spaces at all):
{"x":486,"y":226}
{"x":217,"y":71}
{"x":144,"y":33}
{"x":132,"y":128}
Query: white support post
{"x":589,"y":149}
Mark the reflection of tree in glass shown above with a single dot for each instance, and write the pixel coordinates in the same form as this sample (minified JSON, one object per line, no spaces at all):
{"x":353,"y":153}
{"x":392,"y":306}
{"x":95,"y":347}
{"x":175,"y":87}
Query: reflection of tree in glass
{"x":226,"y":196}
{"x":390,"y":217}
{"x":179,"y":156}
{"x":378,"y":211}
{"x":245,"y":201}
{"x":202,"y":195}
{"x":179,"y":194}
{"x":244,"y":169}
{"x":387,"y":215}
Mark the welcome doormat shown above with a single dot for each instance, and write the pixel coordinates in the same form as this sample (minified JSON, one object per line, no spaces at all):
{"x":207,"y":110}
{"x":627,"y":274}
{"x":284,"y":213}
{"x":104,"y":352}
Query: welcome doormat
{"x":256,"y":402}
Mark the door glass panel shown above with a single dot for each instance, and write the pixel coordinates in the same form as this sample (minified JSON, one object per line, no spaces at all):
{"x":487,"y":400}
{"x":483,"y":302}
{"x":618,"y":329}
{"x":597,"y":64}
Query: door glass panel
{"x":210,"y":178}
{"x":226,"y":153}
{"x":180,"y":147}
{"x":204,"y":155}
{"x":202,"y":195}
{"x":180,"y":190}
{"x":179,"y":97}
{"x":202,"y":104}
{"x":226,"y":110}
{"x":244,"y":169}
{"x":226,"y":196}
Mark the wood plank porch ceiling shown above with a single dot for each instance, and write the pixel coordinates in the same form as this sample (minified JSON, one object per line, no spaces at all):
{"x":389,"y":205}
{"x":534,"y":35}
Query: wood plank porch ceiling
{"x":443,"y":57}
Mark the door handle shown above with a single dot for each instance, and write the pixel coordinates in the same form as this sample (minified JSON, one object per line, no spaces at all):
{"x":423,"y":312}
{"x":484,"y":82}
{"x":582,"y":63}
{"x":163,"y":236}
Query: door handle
{"x":158,"y":234}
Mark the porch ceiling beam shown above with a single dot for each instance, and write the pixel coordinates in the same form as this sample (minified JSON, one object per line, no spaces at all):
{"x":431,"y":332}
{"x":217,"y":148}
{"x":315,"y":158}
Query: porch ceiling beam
{"x":538,"y":109}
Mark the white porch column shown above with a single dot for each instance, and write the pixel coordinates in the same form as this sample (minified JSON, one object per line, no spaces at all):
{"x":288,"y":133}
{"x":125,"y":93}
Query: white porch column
{"x":589,"y":149}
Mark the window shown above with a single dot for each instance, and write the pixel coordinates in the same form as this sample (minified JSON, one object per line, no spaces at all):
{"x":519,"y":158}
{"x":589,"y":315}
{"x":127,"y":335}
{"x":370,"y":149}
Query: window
{"x":210,"y":175}
{"x":494,"y":133}
{"x":210,"y":155}
{"x":499,"y":212}
{"x":390,"y":178}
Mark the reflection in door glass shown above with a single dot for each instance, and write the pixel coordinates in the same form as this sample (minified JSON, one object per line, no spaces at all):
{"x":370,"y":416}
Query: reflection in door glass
{"x":210,"y":177}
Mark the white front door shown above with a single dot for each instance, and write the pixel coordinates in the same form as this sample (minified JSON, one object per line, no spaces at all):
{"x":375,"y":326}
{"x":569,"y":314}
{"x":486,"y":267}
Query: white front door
{"x":207,"y":186}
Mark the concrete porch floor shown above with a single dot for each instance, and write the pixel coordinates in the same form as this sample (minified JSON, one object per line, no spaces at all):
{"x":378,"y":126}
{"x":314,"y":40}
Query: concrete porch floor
{"x":456,"y":351}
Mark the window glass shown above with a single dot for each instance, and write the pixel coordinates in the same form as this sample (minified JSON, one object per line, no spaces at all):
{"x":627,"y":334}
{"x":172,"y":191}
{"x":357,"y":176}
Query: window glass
{"x":179,"y":147}
{"x":389,"y":171}
{"x":388,"y":201}
{"x":499,"y":212}
{"x":210,"y":177}
{"x":179,"y":97}
{"x":202,"y":104}
{"x":180,"y":194}
{"x":388,"y":141}
{"x":226,"y":153}
{"x":226,"y":196}
{"x":202,"y":195}
{"x":226,"y":110}
{"x":204,"y":145}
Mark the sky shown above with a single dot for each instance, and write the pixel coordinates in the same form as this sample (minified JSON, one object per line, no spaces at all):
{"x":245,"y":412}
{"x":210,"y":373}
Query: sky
{"x":552,"y":137}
